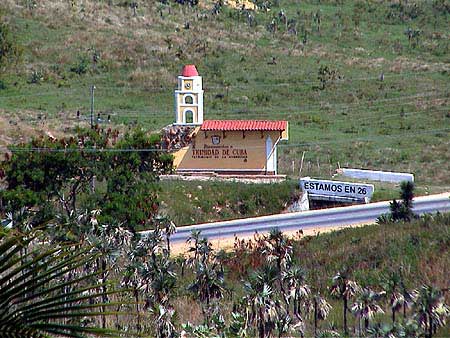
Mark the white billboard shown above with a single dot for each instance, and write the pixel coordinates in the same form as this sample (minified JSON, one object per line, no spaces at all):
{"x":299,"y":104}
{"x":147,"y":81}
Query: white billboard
{"x":337,"y":188}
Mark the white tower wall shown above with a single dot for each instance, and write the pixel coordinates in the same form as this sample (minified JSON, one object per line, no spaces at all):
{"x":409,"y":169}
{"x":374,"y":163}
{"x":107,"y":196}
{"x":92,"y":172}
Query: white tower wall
{"x":189,"y":89}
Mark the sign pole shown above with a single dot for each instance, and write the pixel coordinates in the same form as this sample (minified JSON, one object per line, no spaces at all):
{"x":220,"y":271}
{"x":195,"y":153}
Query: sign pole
{"x":92,"y":106}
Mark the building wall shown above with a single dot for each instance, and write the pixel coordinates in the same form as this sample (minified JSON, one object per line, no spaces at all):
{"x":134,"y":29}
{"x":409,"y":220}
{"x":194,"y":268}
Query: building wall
{"x":231,"y":150}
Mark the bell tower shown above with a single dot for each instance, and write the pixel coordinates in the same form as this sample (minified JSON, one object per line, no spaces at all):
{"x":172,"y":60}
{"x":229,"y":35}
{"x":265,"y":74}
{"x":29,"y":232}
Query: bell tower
{"x":189,"y":97}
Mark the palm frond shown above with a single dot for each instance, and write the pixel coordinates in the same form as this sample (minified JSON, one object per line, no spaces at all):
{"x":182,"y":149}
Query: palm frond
{"x":39,"y":297}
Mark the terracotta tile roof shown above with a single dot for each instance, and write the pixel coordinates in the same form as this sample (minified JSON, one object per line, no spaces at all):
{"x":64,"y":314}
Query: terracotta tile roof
{"x":227,"y":125}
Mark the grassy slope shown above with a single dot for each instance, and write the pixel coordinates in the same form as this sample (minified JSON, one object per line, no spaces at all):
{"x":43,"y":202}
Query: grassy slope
{"x":373,"y":250}
{"x":355,"y":122}
{"x":370,"y":252}
{"x":201,"y":202}
{"x":188,"y":202}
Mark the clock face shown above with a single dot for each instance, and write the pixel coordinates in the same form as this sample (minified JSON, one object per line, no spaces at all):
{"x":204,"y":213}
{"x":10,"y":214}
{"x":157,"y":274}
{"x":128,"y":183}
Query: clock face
{"x":187,"y":85}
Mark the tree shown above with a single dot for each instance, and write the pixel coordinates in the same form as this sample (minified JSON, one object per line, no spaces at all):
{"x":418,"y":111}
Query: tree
{"x":392,"y":287}
{"x":109,"y":243}
{"x":407,"y":194}
{"x":278,"y":249}
{"x":401,"y":210}
{"x":261,"y":308}
{"x":56,"y":172}
{"x":321,"y":309}
{"x":327,"y":76}
{"x":345,"y":289}
{"x":297,"y":291}
{"x":430,"y":310}
{"x":366,"y":306}
{"x":44,"y":169}
{"x":48,"y":293}
{"x":10,"y":51}
{"x":208,"y":283}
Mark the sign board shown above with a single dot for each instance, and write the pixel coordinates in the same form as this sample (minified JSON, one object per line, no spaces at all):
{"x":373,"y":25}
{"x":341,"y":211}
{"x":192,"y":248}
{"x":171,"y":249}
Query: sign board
{"x":337,"y":189}
{"x":231,"y":150}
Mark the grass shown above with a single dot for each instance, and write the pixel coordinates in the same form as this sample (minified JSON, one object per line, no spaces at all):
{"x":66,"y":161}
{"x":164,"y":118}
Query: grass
{"x":191,"y":202}
{"x":370,"y":252}
{"x":201,"y":202}
{"x":400,"y":124}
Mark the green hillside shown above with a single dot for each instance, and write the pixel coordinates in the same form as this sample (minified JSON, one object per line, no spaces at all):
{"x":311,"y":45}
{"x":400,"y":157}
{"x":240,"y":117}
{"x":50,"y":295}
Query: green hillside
{"x":314,"y":63}
{"x":370,"y":255}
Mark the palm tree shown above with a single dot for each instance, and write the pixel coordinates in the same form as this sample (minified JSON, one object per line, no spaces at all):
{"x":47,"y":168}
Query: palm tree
{"x":430,"y":310}
{"x":157,"y":281}
{"x":278,"y":248}
{"x":297,"y":291}
{"x":283,"y":321}
{"x":146,"y":249}
{"x":108,"y":242}
{"x":194,"y":250}
{"x":34,"y":302}
{"x":406,"y":294}
{"x":208,"y":284}
{"x":236,"y":327}
{"x":132,"y":279}
{"x":321,"y":310}
{"x":366,"y":306}
{"x":221,"y":257}
{"x":261,"y":310}
{"x":344,"y":288}
{"x":156,"y":278}
{"x":163,"y":320}
{"x":163,"y":222}
{"x":393,"y":291}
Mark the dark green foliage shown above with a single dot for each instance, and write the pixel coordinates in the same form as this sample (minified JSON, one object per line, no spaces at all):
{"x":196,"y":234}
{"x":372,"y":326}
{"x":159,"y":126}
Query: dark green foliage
{"x":75,"y":172}
{"x":327,"y":76}
{"x":441,"y":7}
{"x":81,"y":66}
{"x":404,"y":11}
{"x":9,"y":49}
{"x":407,"y":193}
{"x":400,"y":210}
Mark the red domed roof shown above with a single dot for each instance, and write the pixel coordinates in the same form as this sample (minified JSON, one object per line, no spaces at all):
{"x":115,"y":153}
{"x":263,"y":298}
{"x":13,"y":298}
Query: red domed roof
{"x":189,"y":71}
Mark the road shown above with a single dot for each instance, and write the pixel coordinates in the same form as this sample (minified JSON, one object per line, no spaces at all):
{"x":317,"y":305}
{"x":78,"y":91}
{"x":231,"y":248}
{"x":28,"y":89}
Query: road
{"x":319,"y":219}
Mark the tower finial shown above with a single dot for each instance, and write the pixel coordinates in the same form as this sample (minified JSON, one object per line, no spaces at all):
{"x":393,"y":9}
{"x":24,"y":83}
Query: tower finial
{"x":189,"y":71}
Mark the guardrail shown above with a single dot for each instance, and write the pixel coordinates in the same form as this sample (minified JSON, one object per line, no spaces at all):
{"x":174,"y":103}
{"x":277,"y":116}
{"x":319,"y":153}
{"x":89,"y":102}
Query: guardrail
{"x":323,"y":218}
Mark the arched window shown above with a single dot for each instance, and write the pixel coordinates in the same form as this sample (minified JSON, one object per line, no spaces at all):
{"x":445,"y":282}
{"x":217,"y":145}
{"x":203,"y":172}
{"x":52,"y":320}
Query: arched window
{"x":188,"y":99}
{"x":188,"y":116}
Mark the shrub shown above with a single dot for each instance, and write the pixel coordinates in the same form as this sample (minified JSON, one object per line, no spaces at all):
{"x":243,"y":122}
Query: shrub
{"x":10,"y":51}
{"x":81,"y":66}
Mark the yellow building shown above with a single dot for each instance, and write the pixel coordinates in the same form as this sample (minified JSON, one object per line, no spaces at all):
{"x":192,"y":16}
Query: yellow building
{"x":228,"y":147}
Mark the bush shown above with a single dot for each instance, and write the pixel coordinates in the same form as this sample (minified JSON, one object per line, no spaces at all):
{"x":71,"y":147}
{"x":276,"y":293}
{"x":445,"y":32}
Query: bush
{"x":81,"y":66}
{"x":10,"y":51}
{"x":36,"y":77}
